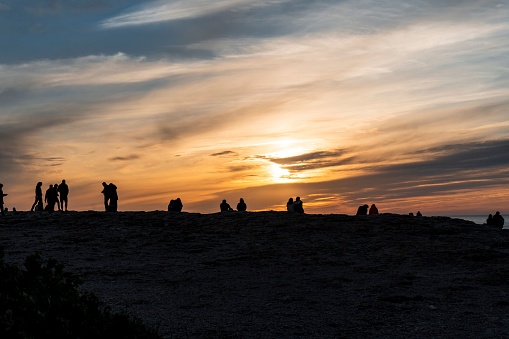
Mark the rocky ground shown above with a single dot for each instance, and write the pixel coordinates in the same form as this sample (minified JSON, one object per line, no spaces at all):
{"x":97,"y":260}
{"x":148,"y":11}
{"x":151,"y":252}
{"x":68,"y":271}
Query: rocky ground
{"x":281,"y":275}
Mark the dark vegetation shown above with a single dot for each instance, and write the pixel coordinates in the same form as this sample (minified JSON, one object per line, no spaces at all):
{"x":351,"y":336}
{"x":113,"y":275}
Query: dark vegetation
{"x":43,"y":301}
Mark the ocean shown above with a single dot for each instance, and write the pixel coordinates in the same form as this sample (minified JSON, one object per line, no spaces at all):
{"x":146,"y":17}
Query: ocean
{"x":478,"y":219}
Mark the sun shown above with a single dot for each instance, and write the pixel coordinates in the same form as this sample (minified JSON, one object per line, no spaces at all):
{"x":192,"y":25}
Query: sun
{"x":279,"y":174}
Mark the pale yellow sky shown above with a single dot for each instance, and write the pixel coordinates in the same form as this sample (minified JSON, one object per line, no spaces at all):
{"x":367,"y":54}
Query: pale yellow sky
{"x":402,"y":104}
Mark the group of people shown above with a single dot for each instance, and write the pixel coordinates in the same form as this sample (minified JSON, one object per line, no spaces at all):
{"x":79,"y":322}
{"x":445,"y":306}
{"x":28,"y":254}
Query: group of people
{"x":295,"y":206}
{"x":175,"y":205}
{"x":225,"y":207}
{"x":110,"y":197}
{"x":55,"y":194}
{"x":496,"y":220}
{"x":363,"y":209}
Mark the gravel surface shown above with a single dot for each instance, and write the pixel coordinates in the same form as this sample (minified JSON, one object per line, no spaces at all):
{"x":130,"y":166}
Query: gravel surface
{"x":281,"y":275}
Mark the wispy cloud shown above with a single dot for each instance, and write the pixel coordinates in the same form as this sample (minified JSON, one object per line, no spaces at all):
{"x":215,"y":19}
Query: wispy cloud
{"x":163,"y":11}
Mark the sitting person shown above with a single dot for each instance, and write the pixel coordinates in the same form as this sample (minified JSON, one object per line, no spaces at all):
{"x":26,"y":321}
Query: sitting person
{"x":419,"y":214}
{"x":362,"y":210}
{"x":373,"y":209}
{"x":498,"y":220}
{"x":489,"y":221}
{"x":241,"y":206}
{"x":175,"y":205}
{"x":289,"y":205}
{"x":297,"y":205}
{"x":225,"y":207}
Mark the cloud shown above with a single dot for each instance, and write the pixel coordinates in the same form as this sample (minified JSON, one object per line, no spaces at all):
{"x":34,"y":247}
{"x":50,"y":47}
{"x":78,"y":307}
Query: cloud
{"x":126,"y":158}
{"x":4,"y":7}
{"x":181,"y":9}
{"x":223,"y":153}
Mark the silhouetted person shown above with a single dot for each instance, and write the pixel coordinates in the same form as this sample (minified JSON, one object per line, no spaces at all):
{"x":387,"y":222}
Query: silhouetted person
{"x":297,"y":206}
{"x":489,"y":221}
{"x":50,"y":198}
{"x":241,"y":206}
{"x":225,"y":207}
{"x":498,"y":220}
{"x":63,"y":189}
{"x":419,"y":214}
{"x":362,"y":210}
{"x":2,"y":195}
{"x":106,"y":194}
{"x":112,"y":191}
{"x":373,"y":209}
{"x":38,"y":198}
{"x":175,"y":205}
{"x":289,"y":205}
{"x":55,"y":187}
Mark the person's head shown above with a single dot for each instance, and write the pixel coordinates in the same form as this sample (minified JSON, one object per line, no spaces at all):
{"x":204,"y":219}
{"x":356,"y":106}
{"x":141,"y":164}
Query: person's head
{"x":39,"y":184}
{"x":297,"y":199}
{"x":224,"y":200}
{"x":290,"y":200}
{"x":50,"y":186}
{"x":241,"y":200}
{"x":105,"y":184}
{"x":373,"y":205}
{"x":497,"y":213}
{"x":63,"y":181}
{"x":1,"y":185}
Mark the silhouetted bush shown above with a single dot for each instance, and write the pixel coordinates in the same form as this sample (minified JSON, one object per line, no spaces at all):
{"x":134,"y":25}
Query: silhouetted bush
{"x":43,"y":301}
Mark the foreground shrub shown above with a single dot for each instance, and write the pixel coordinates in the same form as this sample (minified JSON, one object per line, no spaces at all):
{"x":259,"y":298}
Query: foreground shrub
{"x":43,"y":301}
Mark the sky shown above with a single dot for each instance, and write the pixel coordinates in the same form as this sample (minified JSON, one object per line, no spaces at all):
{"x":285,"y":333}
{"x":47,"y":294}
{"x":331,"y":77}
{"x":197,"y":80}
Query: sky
{"x":404,"y":104}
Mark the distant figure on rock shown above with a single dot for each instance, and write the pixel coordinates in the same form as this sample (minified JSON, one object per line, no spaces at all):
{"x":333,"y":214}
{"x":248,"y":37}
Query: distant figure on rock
{"x":63,"y":189}
{"x":489,"y":221}
{"x":225,"y":207}
{"x":498,"y":220}
{"x":106,"y":194}
{"x":362,"y":210}
{"x":297,"y":206}
{"x":175,"y":205}
{"x":289,"y":205}
{"x":55,"y":187}
{"x":50,"y":198}
{"x":112,"y":191}
{"x":241,"y":206}
{"x":2,"y":195}
{"x":38,"y":198}
{"x":373,"y":209}
{"x":110,"y":197}
{"x":419,"y":214}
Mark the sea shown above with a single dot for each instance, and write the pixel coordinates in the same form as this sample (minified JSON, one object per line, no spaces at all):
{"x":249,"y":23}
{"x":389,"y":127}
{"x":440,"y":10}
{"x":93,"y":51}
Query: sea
{"x":478,"y":219}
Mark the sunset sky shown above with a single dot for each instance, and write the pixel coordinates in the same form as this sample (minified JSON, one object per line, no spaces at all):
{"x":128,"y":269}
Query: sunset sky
{"x":400,"y":103}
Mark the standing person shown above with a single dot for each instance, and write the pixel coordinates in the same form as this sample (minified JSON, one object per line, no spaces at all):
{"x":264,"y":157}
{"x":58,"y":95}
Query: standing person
{"x":57,"y":200}
{"x":2,"y":195}
{"x":63,"y":189}
{"x":241,"y":206}
{"x":297,"y":205}
{"x":106,"y":194}
{"x":113,"y":206}
{"x":38,"y":198}
{"x":50,"y":198}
